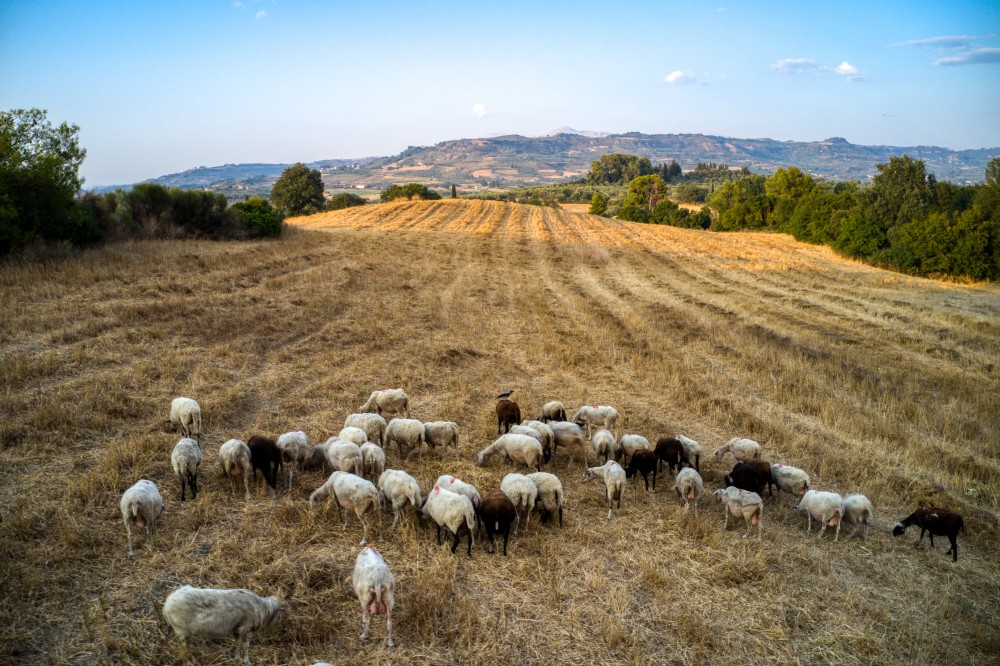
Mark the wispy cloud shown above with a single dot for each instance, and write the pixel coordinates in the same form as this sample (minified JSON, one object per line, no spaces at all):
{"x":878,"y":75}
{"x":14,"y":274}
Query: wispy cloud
{"x":262,"y":13}
{"x":944,"y":41}
{"x":480,"y":111}
{"x":795,"y":65}
{"x":238,"y":4}
{"x":678,"y":76}
{"x":981,"y":56}
{"x":810,"y":66}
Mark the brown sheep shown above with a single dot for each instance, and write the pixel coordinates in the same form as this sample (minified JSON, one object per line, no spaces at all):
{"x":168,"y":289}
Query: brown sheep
{"x":508,"y":414}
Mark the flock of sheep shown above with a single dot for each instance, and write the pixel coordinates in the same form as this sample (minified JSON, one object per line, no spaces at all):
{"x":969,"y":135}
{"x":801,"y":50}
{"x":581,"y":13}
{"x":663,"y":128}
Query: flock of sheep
{"x":359,"y":451}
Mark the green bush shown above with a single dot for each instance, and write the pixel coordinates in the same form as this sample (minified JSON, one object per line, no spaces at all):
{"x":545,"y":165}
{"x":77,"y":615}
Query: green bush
{"x":345,"y":200}
{"x":409,"y":191}
{"x":257,"y":216}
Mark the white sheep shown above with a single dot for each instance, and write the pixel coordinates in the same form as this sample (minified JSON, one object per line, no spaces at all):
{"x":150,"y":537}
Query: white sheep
{"x":353,"y":434}
{"x":740,"y":448}
{"x":141,"y":507}
{"x":743,"y":503}
{"x":522,"y":492}
{"x":521,"y":429}
{"x":691,"y":448}
{"x":185,"y":459}
{"x":345,"y":456}
{"x":373,"y":425}
{"x":406,"y":434}
{"x":522,"y":449}
{"x":294,"y":446}
{"x":858,"y":511}
{"x":234,"y":457}
{"x":456,"y":485}
{"x":387,"y":401}
{"x":790,"y":479}
{"x":373,"y":583}
{"x":614,"y":482}
{"x":628,"y":445}
{"x":207,"y":613}
{"x":548,"y":438}
{"x":372,"y":460}
{"x":441,"y":433}
{"x":596,"y":415}
{"x":828,"y":508}
{"x":185,"y":415}
{"x":604,"y":444}
{"x":552,"y":411}
{"x":570,"y":436}
{"x":399,"y":489}
{"x":354,"y":494}
{"x":689,"y":487}
{"x":550,"y":494}
{"x":452,"y":511}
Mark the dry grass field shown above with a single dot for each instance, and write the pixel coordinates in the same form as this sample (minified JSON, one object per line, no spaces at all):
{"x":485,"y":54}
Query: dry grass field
{"x":872,"y":381}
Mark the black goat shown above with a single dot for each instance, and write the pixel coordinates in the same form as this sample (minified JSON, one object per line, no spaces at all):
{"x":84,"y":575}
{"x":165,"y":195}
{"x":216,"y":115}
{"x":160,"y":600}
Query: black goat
{"x":265,"y":456}
{"x":941,"y":522}
{"x":748,"y":477}
{"x":643,"y":462}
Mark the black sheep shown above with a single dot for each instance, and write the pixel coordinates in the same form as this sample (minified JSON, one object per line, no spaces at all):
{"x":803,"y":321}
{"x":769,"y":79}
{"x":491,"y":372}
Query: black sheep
{"x":643,"y":462}
{"x":941,"y":522}
{"x":496,"y":514}
{"x":265,"y":456}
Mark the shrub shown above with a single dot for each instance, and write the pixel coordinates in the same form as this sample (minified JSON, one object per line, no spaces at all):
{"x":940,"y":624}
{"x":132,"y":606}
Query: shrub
{"x":409,"y":191}
{"x":345,"y":200}
{"x":257,"y":216}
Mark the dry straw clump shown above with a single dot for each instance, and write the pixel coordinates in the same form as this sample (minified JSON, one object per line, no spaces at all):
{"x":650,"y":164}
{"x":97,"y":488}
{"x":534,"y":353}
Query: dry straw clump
{"x":871,"y":381}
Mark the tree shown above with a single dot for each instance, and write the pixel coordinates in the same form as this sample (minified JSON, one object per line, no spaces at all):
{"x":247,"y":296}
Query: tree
{"x":618,"y":169}
{"x":409,"y":191}
{"x":598,"y":204}
{"x":454,"y":191}
{"x":644,"y":193}
{"x":993,"y":172}
{"x":901,"y":192}
{"x":298,"y":191}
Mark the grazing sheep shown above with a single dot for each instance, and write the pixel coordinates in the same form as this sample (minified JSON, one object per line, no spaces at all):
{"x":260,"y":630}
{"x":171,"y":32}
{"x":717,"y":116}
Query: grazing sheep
{"x":345,"y":456}
{"x":208,"y":613}
{"x":550,"y":495}
{"x":604,"y":444}
{"x":936,"y":521}
{"x":387,"y":401}
{"x":265,"y":456}
{"x":523,"y":492}
{"x":547,"y":437}
{"x":373,"y":583}
{"x":742,"y":503}
{"x":294,"y":446}
{"x":185,"y":459}
{"x":858,"y":511}
{"x":692,"y":449}
{"x":408,"y":433}
{"x":748,"y":476}
{"x":185,"y":415}
{"x":552,"y":411}
{"x":141,"y":507}
{"x":689,"y":487}
{"x":372,"y":460}
{"x":643,"y":462}
{"x":399,"y":489}
{"x":570,"y":436}
{"x":628,"y":445}
{"x":828,"y":508}
{"x":234,"y":458}
{"x":456,"y":485}
{"x":596,"y":415}
{"x":452,"y":511}
{"x":790,"y":479}
{"x":740,"y":448}
{"x":496,"y":514}
{"x":441,"y":433}
{"x":317,"y":459}
{"x":373,"y":425}
{"x":508,"y":414}
{"x":353,"y":434}
{"x":672,"y":451}
{"x":614,"y":482}
{"x":354,"y":494}
{"x":517,"y":448}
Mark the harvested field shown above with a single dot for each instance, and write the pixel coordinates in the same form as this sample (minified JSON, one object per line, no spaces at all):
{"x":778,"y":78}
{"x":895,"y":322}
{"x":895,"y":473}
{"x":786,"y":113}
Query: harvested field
{"x":871,"y":381}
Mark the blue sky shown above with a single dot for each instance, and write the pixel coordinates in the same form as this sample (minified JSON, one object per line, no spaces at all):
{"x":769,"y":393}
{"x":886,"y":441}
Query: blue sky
{"x":162,"y":87}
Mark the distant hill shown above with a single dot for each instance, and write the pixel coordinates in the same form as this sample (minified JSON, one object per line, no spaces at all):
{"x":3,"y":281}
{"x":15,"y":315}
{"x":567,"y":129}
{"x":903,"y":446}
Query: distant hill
{"x":254,"y":172}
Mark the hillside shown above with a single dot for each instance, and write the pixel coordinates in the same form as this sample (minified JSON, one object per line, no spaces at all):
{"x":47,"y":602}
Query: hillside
{"x":872,"y":381}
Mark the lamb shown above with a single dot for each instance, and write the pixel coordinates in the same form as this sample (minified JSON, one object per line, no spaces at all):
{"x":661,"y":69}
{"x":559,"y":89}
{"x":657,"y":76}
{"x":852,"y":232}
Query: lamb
{"x":353,"y":434}
{"x":689,"y":487}
{"x":373,"y":583}
{"x":234,"y":458}
{"x":550,"y":495}
{"x":141,"y":507}
{"x":941,"y":522}
{"x":748,"y":476}
{"x":373,"y":425}
{"x":344,"y":456}
{"x":552,"y":411}
{"x":596,"y":415}
{"x":628,"y":445}
{"x":185,"y":459}
{"x":387,"y":401}
{"x":547,"y":437}
{"x":517,"y":448}
{"x":452,"y":511}
{"x":825,"y":507}
{"x":497,"y":513}
{"x":372,"y":460}
{"x":456,"y":485}
{"x":399,"y":489}
{"x":858,"y":511}
{"x":293,"y":446}
{"x":614,"y":482}
{"x":672,"y":451}
{"x":742,"y":503}
{"x":508,"y":414}
{"x":442,"y":433}
{"x":265,"y":456}
{"x":185,"y":415}
{"x":643,"y":462}
{"x":790,"y":479}
{"x":352,"y":493}
{"x":569,"y":436}
{"x":740,"y":448}
{"x":407,"y":433}
{"x":523,"y":492}
{"x":208,"y":613}
{"x":604,"y":444}
{"x":692,"y":449}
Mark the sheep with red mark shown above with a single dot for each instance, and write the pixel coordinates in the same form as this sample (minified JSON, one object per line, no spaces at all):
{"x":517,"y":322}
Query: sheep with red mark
{"x":643,"y":462}
{"x":742,"y":449}
{"x":142,"y":507}
{"x":828,"y":508}
{"x":497,"y":513}
{"x":614,"y":482}
{"x":742,"y":503}
{"x":374,"y":584}
{"x":508,"y":414}
{"x":234,"y":459}
{"x":387,"y":401}
{"x":689,"y":487}
{"x":456,"y":485}
{"x":936,"y":521}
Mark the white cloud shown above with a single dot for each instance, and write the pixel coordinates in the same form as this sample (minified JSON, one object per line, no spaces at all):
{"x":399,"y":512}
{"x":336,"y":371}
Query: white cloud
{"x":944,"y":41}
{"x":679,"y":77}
{"x":810,"y":66}
{"x":479,"y":110}
{"x":795,"y":65}
{"x":238,"y":5}
{"x":981,"y":56}
{"x":261,"y":14}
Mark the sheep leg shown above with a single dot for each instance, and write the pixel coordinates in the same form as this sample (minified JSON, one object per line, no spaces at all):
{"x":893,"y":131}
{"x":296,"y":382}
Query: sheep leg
{"x":182,"y":487}
{"x":836,"y":535}
{"x":439,"y":535}
{"x":506,"y":535}
{"x":654,"y":479}
{"x":193,"y":482}
{"x":388,"y":622}
{"x":920,"y":540}
{"x":395,"y":517}
{"x":953,"y":551}
{"x":246,"y":483}
{"x":517,"y":519}
{"x":364,"y":526}
{"x":128,"y":528}
{"x":822,"y":530}
{"x":366,"y":620}
{"x":725,"y":525}
{"x":696,"y":508}
{"x":489,"y":535}
{"x":458,"y":537}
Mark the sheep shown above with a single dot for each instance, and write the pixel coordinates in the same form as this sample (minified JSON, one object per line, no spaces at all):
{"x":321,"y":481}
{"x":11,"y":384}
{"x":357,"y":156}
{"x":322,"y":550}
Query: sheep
{"x":441,"y":433}
{"x":185,"y":459}
{"x":742,"y":503}
{"x":405,"y":432}
{"x":344,"y":456}
{"x":265,"y":456}
{"x":672,"y":451}
{"x":569,"y":436}
{"x":209,"y":613}
{"x":353,"y":434}
{"x":293,"y":446}
{"x":550,"y":495}
{"x":523,"y":492}
{"x":689,"y":486}
{"x":387,"y":401}
{"x":628,"y":445}
{"x":399,"y":489}
{"x":185,"y":415}
{"x":614,"y":482}
{"x":354,"y":494}
{"x":142,"y":506}
{"x":372,"y":460}
{"x":823,"y":506}
{"x":740,"y":448}
{"x":941,"y":522}
{"x":858,"y":511}
{"x":452,"y":511}
{"x":508,"y":414}
{"x":373,"y":425}
{"x":456,"y":485}
{"x":317,"y":459}
{"x":692,"y":449}
{"x":604,"y":444}
{"x":552,"y":411}
{"x":373,"y":583}
{"x":547,"y":437}
{"x":234,"y":458}
{"x":790,"y":479}
{"x":643,"y":462}
{"x":596,"y":415}
{"x":517,"y":448}
{"x":496,"y":513}
{"x":747,"y":476}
